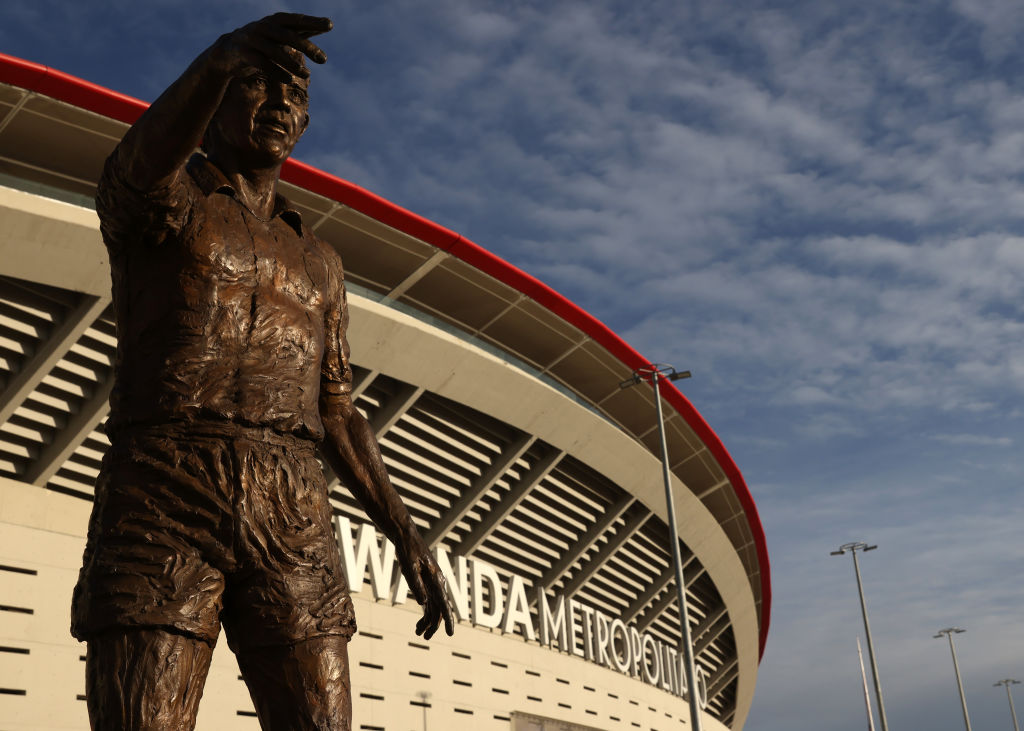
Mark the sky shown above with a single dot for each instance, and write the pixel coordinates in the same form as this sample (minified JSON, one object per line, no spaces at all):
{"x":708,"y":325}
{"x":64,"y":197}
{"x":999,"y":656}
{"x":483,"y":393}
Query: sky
{"x":817,"y":207}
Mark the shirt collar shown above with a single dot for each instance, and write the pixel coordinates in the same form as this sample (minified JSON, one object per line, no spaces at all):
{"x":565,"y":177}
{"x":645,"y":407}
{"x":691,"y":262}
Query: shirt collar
{"x":211,"y":180}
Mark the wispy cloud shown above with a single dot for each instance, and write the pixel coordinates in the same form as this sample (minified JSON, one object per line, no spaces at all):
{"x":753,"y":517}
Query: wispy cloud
{"x":974,"y":440}
{"x":832,"y":212}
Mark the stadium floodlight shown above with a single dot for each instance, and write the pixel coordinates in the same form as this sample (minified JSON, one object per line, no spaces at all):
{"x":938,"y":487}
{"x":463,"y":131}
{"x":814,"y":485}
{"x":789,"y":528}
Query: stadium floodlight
{"x":853,"y":548}
{"x":652,"y":374}
{"x":1007,"y":682}
{"x":948,"y":634}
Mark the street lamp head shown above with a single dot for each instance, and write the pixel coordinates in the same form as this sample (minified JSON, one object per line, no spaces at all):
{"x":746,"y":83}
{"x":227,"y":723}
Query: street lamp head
{"x":854,"y":547}
{"x":631,"y":381}
{"x":949,"y":631}
{"x":1006,"y":681}
{"x":653,"y":373}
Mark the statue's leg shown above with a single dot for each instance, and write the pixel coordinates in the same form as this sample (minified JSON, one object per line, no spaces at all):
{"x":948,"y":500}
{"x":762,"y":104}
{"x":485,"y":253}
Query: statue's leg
{"x":287,"y":611}
{"x":300,"y":687}
{"x":145,"y":680}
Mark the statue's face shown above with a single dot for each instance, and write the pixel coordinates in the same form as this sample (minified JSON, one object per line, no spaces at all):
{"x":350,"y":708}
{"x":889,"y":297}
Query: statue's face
{"x":263,"y":114}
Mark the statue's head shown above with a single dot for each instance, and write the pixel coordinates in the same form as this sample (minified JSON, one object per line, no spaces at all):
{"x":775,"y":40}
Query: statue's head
{"x":263,"y":114}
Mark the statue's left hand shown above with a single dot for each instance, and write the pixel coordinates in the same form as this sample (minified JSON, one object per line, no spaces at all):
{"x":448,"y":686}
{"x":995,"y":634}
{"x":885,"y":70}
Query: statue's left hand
{"x":431,"y":591}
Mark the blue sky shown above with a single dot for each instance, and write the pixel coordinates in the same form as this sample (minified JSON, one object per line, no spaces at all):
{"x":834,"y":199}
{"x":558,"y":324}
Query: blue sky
{"x":817,"y":207}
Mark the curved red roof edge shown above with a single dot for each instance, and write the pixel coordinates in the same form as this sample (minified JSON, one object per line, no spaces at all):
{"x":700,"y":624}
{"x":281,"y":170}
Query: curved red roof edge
{"x":100,"y":100}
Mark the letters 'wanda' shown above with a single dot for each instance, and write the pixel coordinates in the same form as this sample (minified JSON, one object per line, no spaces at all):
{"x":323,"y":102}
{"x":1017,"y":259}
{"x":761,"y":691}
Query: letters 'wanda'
{"x":232,"y":369}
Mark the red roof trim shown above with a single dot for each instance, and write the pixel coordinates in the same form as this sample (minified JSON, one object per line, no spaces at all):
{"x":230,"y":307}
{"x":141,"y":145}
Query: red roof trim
{"x":80,"y":93}
{"x":70,"y":89}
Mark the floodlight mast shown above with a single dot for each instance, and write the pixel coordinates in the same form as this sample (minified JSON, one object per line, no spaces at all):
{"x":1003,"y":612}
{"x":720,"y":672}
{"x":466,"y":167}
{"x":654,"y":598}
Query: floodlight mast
{"x":652,"y":374}
{"x":948,"y":634}
{"x":864,"y":682}
{"x":854,"y":548}
{"x":1007,"y":682}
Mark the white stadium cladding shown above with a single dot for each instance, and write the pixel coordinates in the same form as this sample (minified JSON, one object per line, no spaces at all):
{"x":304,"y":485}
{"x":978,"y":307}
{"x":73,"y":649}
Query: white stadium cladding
{"x":533,"y":476}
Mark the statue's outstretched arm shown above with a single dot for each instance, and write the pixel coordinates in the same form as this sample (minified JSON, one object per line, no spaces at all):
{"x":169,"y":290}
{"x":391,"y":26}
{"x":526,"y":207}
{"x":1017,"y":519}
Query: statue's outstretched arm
{"x":163,"y":138}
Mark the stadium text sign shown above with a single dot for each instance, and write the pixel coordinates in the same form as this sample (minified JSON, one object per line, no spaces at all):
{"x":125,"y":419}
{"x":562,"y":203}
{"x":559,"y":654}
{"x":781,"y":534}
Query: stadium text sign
{"x":479,"y":596}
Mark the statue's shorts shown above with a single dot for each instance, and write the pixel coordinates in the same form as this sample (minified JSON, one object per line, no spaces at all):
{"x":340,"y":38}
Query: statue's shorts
{"x":202,"y":523}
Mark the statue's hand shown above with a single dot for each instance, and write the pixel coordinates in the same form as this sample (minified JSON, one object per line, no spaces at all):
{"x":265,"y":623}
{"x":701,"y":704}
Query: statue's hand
{"x":283,"y":38}
{"x":431,"y":591}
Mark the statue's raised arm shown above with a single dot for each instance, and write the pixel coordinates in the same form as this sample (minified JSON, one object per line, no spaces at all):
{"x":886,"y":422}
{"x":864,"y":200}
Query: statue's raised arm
{"x":161,"y":141}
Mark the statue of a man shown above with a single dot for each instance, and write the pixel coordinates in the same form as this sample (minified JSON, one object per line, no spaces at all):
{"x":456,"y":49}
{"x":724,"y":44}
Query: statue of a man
{"x":232,"y":367}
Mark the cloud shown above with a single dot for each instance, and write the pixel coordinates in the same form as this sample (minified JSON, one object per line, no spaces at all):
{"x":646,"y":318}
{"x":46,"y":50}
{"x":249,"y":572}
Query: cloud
{"x":635,"y":176}
{"x":1000,"y":22}
{"x":974,"y":440}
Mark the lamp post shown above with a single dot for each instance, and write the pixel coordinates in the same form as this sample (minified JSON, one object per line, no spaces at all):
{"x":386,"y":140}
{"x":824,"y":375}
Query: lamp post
{"x":864,"y":682}
{"x":1013,"y":712}
{"x":653,"y":374}
{"x":853,"y":548}
{"x":949,"y":632}
{"x":424,"y":697}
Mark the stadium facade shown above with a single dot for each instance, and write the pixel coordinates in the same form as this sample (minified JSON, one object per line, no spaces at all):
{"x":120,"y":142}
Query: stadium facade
{"x":534,"y":477}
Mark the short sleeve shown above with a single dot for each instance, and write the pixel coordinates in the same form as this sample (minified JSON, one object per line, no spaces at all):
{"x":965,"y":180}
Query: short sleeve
{"x":129,"y":216}
{"x":335,"y":370}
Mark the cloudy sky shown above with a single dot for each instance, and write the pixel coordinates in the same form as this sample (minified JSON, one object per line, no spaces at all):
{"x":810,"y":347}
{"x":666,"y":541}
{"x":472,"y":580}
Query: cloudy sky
{"x":817,"y":207}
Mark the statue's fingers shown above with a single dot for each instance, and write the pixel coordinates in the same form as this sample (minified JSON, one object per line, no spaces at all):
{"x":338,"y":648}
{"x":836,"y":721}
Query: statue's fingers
{"x":290,"y":39}
{"x":435,"y":621}
{"x":427,"y":624}
{"x":306,"y":25}
{"x":449,"y":624}
{"x":428,"y":631}
{"x":288,"y":59}
{"x":439,"y":597}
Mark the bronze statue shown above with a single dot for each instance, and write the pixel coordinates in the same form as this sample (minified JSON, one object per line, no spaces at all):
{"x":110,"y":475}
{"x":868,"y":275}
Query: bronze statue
{"x":232,"y":365}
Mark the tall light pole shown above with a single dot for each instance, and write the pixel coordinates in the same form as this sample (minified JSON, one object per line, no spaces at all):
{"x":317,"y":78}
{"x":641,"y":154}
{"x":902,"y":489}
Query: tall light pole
{"x":424,"y":697}
{"x":1013,"y":712}
{"x":653,"y":374}
{"x":949,"y":632}
{"x":864,"y":682}
{"x":853,"y":548}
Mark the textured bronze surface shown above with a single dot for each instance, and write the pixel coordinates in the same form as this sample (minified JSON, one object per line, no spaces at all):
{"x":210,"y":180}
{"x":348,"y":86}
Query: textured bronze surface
{"x":232,"y":369}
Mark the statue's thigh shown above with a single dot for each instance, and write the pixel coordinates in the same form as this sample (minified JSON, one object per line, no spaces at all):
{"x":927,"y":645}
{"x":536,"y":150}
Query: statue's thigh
{"x":300,"y":687}
{"x":145,"y":680}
